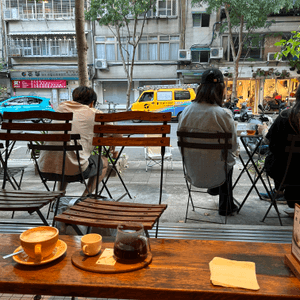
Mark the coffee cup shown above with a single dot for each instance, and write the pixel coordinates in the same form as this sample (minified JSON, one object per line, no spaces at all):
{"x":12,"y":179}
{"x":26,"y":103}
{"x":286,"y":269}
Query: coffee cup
{"x":39,"y":242}
{"x":91,"y":244}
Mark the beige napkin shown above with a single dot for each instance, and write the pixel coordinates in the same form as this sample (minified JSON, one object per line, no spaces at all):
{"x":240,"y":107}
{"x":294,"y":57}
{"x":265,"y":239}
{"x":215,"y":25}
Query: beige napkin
{"x":232,"y":273}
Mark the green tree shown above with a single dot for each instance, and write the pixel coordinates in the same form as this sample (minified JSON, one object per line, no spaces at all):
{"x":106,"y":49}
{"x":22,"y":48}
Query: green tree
{"x":243,"y":18}
{"x":290,"y":48}
{"x":126,"y":20}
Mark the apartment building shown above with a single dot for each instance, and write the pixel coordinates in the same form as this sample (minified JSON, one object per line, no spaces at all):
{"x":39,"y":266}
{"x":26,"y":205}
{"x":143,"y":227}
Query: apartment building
{"x":179,"y":42}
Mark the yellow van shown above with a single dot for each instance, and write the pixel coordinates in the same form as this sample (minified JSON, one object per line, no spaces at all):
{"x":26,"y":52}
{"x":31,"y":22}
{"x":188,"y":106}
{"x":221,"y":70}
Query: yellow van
{"x":159,"y":99}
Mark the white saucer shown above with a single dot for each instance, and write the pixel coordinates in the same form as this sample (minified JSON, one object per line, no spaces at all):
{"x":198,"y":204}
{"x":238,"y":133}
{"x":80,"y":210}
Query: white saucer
{"x":24,"y":259}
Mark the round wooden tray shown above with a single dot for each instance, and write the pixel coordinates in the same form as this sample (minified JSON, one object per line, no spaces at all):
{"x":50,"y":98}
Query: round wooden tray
{"x":88,"y":263}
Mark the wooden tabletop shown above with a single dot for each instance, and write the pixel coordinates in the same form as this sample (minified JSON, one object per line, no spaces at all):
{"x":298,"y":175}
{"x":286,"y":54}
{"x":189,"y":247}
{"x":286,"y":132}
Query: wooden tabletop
{"x":179,"y":270}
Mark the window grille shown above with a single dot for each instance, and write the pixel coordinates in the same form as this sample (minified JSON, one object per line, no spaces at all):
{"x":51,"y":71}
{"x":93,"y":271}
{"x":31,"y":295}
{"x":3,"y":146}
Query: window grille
{"x":39,"y":9}
{"x":43,"y":46}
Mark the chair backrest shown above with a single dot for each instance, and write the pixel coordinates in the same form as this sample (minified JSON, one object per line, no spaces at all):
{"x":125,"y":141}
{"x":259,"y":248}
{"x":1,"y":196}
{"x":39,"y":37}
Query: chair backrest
{"x":207,"y":142}
{"x":125,"y":132}
{"x":19,"y":128}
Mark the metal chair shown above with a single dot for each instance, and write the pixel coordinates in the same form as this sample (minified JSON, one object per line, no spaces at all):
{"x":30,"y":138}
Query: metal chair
{"x":19,"y":129}
{"x":153,"y":156}
{"x":203,"y":141}
{"x":93,"y":212}
{"x":292,"y":150}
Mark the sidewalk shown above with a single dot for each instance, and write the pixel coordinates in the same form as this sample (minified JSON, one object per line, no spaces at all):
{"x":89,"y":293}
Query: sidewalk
{"x":144,"y":188}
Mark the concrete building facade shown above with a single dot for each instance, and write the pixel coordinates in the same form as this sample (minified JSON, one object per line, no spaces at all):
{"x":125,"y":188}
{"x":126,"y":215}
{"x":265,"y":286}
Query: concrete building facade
{"x":179,"y":42}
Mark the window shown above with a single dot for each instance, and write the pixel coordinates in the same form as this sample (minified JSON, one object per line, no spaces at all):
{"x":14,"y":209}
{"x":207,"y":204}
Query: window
{"x":42,"y":46}
{"x":163,"y":8}
{"x":182,"y":95}
{"x":201,"y":20}
{"x":147,"y":97}
{"x":39,"y":9}
{"x":164,"y":96}
{"x":150,"y":48}
{"x":200,"y":56}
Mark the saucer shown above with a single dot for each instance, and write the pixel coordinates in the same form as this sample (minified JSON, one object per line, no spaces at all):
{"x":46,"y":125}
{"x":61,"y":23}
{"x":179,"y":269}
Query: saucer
{"x":24,"y":259}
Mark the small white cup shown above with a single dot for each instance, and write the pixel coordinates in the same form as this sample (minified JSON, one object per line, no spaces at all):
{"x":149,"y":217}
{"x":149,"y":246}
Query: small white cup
{"x":91,"y":244}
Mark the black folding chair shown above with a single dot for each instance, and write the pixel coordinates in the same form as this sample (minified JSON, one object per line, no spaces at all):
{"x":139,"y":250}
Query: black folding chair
{"x":202,"y":141}
{"x":292,"y":150}
{"x":18,"y":128}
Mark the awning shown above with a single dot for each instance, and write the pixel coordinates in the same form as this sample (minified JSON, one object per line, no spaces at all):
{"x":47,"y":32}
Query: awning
{"x":200,"y":49}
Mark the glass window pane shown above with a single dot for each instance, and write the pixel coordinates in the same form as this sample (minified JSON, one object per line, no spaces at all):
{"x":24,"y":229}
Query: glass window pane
{"x":195,"y":56}
{"x":205,"y":20}
{"x":110,"y":39}
{"x":164,"y":51}
{"x":152,"y":51}
{"x":153,"y":38}
{"x":164,"y":37}
{"x":100,"y":51}
{"x":196,"y":20}
{"x":182,"y":95}
{"x":110,"y":52}
{"x":174,"y":47}
{"x":143,"y":51}
{"x":162,"y":96}
{"x":174,"y":38}
{"x":100,"y":39}
{"x":204,"y":56}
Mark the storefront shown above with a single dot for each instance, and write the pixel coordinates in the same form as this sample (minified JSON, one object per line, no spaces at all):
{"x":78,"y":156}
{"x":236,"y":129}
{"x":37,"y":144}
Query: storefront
{"x":52,"y":84}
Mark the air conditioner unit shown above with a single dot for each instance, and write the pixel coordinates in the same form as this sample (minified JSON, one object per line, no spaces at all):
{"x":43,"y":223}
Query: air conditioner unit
{"x":15,"y":52}
{"x":271,"y":57}
{"x":11,"y":14}
{"x":101,"y":64}
{"x":184,"y":54}
{"x":216,"y":53}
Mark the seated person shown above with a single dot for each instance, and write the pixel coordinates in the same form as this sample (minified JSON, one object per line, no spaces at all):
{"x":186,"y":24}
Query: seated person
{"x":205,"y":114}
{"x":82,"y":106}
{"x":288,"y":122}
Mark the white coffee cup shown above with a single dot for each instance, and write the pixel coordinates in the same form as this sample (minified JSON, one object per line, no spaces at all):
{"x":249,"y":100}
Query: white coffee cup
{"x":91,"y":244}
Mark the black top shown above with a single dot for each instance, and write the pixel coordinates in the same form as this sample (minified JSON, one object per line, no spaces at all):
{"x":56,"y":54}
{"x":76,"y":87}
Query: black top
{"x":276,"y":161}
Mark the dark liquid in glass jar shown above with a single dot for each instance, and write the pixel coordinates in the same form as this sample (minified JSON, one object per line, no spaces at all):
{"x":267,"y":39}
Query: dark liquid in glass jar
{"x":136,"y":250}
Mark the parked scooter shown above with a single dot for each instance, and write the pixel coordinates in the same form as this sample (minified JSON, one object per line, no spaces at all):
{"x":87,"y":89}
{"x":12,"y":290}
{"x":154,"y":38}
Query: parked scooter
{"x":246,"y":112}
{"x":233,"y":107}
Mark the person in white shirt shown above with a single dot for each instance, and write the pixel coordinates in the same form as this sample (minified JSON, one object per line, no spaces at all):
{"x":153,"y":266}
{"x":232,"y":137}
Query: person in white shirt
{"x":205,"y":114}
{"x":82,"y":106}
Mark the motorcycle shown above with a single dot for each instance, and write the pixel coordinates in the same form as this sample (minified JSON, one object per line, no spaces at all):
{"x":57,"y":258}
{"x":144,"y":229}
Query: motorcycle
{"x":233,"y":107}
{"x":246,"y":113}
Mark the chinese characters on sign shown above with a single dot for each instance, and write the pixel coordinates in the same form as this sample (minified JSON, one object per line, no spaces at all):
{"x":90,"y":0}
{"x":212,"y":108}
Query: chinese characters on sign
{"x":39,"y":84}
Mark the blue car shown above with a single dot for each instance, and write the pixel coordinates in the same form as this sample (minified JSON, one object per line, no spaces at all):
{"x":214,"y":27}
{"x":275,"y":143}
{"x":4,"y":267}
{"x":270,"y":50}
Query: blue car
{"x":25,"y":103}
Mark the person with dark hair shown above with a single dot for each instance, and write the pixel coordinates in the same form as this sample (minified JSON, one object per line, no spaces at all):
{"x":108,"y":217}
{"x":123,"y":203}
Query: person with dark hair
{"x":82,"y":107}
{"x":288,"y":122}
{"x":205,"y":114}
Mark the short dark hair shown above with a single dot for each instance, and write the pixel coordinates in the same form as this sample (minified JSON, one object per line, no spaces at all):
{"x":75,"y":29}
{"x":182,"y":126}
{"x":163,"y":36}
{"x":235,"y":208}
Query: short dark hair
{"x":84,"y":95}
{"x":210,"y":93}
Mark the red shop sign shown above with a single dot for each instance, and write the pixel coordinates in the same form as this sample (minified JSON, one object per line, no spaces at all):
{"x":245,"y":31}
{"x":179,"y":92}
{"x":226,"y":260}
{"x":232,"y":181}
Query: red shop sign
{"x":39,"y":84}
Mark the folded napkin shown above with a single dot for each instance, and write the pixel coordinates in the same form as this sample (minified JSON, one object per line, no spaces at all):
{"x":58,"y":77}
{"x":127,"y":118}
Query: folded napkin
{"x":232,"y":273}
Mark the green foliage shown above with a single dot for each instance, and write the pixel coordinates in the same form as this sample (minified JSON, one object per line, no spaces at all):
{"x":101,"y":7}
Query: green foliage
{"x":291,"y":46}
{"x":117,"y":12}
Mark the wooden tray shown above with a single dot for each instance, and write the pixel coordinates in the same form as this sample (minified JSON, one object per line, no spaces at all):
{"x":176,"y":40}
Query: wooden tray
{"x":88,"y":263}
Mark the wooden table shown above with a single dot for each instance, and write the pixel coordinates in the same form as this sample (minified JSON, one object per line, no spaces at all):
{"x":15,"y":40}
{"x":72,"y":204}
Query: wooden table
{"x":179,"y":270}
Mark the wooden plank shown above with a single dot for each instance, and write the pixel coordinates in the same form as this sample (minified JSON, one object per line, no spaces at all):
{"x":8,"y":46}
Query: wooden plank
{"x":122,"y":204}
{"x":94,"y":223}
{"x":111,"y":217}
{"x":37,"y":126}
{"x":138,"y":142}
{"x":293,"y":264}
{"x":111,"y":211}
{"x":38,"y":114}
{"x":34,"y":137}
{"x":132,"y":129}
{"x":55,"y":147}
{"x":134,"y":115}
